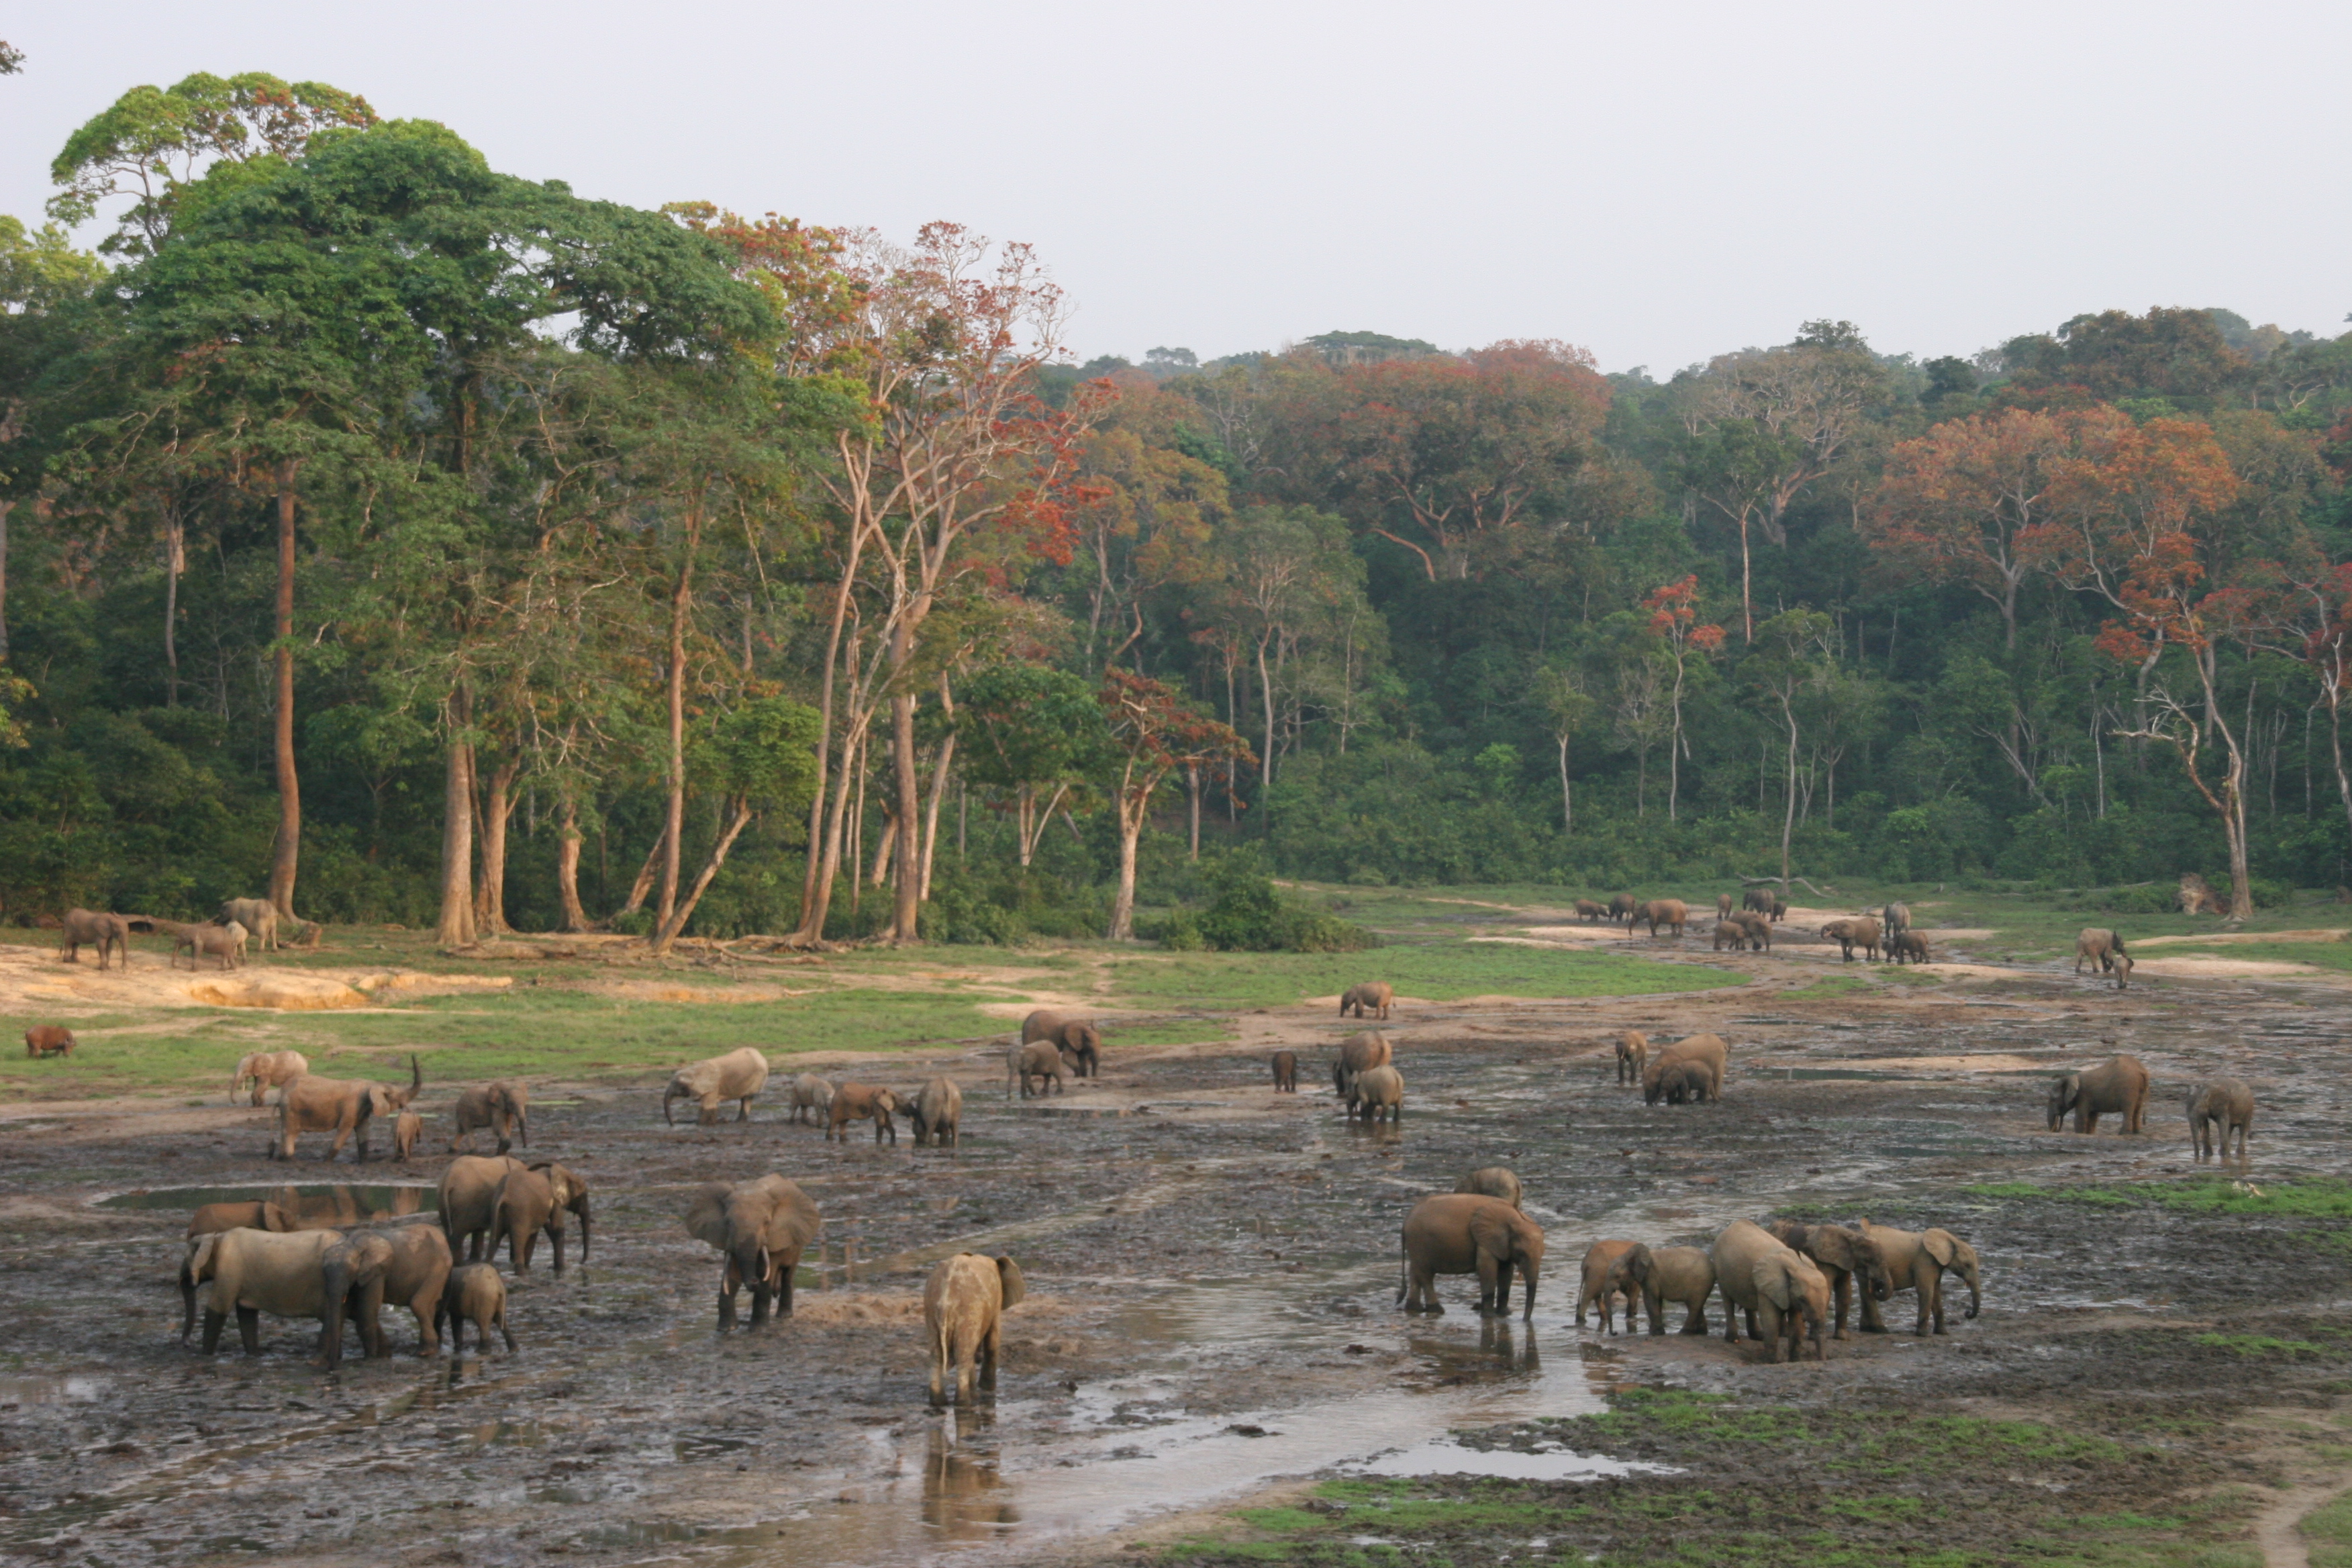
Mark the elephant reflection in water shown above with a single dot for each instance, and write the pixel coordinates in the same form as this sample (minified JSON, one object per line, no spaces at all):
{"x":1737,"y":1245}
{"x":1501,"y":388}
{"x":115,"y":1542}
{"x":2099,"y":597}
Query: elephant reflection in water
{"x":1512,"y":1343}
{"x":964,"y":1495}
{"x":341,"y":1206}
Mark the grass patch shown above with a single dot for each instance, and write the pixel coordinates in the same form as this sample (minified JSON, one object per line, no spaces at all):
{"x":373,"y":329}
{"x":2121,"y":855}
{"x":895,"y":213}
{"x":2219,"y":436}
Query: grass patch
{"x":2027,"y":1189}
{"x":1444,"y":971}
{"x":2256,"y":1344}
{"x":1178,"y":1032}
{"x":2329,"y":1531}
{"x":1821,"y":990}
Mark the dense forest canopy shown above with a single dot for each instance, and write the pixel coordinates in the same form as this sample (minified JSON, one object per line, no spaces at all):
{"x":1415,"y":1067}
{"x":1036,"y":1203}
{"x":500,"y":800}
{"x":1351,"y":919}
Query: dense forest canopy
{"x":448,"y":548}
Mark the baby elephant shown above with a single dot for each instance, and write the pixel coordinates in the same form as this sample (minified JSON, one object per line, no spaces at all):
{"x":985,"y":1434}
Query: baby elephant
{"x":964,"y":1303}
{"x":861,"y":1102}
{"x":1494,"y":1181}
{"x":1286,"y":1072}
{"x":812,"y":1097}
{"x":48,"y":1040}
{"x":939,"y":1114}
{"x":1037,"y":1059}
{"x":1908,"y":947}
{"x":404,"y":1133}
{"x":1378,"y":1093}
{"x":224,"y":943}
{"x":1633,"y":1053}
{"x":2223,"y":1106}
{"x":475,"y":1295}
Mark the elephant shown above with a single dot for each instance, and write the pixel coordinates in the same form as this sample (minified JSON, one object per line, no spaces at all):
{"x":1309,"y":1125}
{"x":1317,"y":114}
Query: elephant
{"x":342,"y":1106}
{"x":1722,"y":907}
{"x":528,"y":1202}
{"x":48,"y":1040}
{"x":2223,"y":1106}
{"x":1657,"y":1275}
{"x":1918,"y":1262}
{"x":1896,"y":918}
{"x":811,"y":1093}
{"x":503,"y":1108}
{"x":1494,"y":1181}
{"x":739,"y":1076}
{"x":2124,"y":962}
{"x":964,"y":1303}
{"x":256,"y":1271}
{"x":1758,"y":899}
{"x":939,"y":1114}
{"x":1461,"y":1233}
{"x":1688,"y":1082}
{"x":224,"y":943}
{"x":474,"y":1294}
{"x":268,"y":1071}
{"x":1663,"y":911}
{"x":1376,"y":994}
{"x":1633,"y":1052}
{"x":1072,"y":1034}
{"x":1376,"y":1090}
{"x":1731,"y":935}
{"x":1037,"y":1059}
{"x":211,"y":1219}
{"x":1775,"y":1287}
{"x":258,"y":915}
{"x":1594,"y":1289}
{"x":1360,"y":1054}
{"x":107,"y":933}
{"x":1286,"y":1072}
{"x":860,"y":1102}
{"x":1589,"y":911}
{"x":1859,"y":931}
{"x":1847,"y":1258}
{"x":761,"y":1227}
{"x":1709,"y":1051}
{"x":1780,"y":909}
{"x":1908,"y":947}
{"x":407,"y":1265}
{"x":1758,"y":927}
{"x":2116,"y":1086}
{"x":406,"y":1129}
{"x":1625,"y":907}
{"x":468,"y":1197}
{"x":2097,"y":945}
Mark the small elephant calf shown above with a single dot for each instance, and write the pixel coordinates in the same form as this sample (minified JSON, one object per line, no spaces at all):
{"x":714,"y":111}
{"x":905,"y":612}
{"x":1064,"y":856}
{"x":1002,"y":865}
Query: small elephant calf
{"x":2221,"y":1106}
{"x":1633,"y":1053}
{"x":1286,"y":1072}
{"x":48,"y":1040}
{"x":406,"y":1131}
{"x":860,"y":1102}
{"x":475,"y":1295}
{"x":224,"y":943}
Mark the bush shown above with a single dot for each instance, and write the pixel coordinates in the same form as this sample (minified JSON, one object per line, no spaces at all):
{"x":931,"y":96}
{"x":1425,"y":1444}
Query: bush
{"x":1249,"y":914}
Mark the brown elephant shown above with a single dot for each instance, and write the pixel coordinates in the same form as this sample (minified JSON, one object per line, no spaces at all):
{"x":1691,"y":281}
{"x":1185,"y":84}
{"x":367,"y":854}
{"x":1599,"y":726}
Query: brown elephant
{"x":1459,"y":1233}
{"x":1918,"y":1262}
{"x":1731,"y":934}
{"x":1849,"y":1259}
{"x":1908,"y":947}
{"x":863,"y":1102}
{"x":406,"y":1265}
{"x":1859,"y":931}
{"x":938,"y":1116}
{"x":1709,"y":1051}
{"x":812,"y":1096}
{"x":1360,"y":1054}
{"x":1688,"y":1083}
{"x":226,"y":943}
{"x":1758,"y":928}
{"x":1594,"y":1289}
{"x":1376,"y":995}
{"x":739,"y":1076}
{"x":2123,"y":963}
{"x":1896,"y":918}
{"x":1590,"y":910}
{"x":502,"y":1108}
{"x":964,"y":1303}
{"x":2221,"y":1106}
{"x":474,"y":1294}
{"x":1286,"y":1072}
{"x":2098,"y":946}
{"x":2116,"y":1086}
{"x":1658,"y":912}
{"x":467,"y":1200}
{"x":1660,"y":1275}
{"x":1377,"y":1091}
{"x":211,"y":1219}
{"x":107,"y":933}
{"x":1039,"y":1060}
{"x":1633,"y":1055}
{"x":48,"y":1040}
{"x":1759,"y":900}
{"x":761,"y":1227}
{"x":1494,"y":1181}
{"x":258,"y":915}
{"x":528,"y":1203}
{"x":268,"y":1071}
{"x":1624,"y":907}
{"x":256,"y":1271}
{"x":1723,"y":905}
{"x":1072,"y":1034}
{"x":342,"y":1106}
{"x":406,"y":1129}
{"x":1782,"y":1294}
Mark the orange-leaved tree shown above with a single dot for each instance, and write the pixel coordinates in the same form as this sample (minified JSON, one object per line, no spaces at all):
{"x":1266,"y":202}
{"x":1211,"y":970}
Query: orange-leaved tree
{"x":1153,"y":732}
{"x":1674,"y":615}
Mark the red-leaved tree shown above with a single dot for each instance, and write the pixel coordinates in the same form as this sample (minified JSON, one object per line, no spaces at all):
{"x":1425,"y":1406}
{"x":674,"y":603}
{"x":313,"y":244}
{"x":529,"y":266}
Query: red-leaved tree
{"x":1153,"y":732}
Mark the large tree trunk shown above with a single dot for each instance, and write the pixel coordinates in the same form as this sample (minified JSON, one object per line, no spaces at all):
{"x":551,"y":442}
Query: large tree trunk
{"x":287,"y":854}
{"x":907,"y":901}
{"x":498,"y":811}
{"x":1193,"y":788}
{"x":1567,"y":800}
{"x":1131,"y":816}
{"x":667,"y":935}
{"x":642,"y":889}
{"x":940,"y":772}
{"x":456,"y":928}
{"x":1788,"y":815}
{"x":673,"y":809}
{"x":567,"y":870}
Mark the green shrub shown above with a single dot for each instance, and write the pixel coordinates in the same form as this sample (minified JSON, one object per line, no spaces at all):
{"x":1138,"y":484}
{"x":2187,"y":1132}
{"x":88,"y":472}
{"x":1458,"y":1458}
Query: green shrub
{"x":1249,"y":914}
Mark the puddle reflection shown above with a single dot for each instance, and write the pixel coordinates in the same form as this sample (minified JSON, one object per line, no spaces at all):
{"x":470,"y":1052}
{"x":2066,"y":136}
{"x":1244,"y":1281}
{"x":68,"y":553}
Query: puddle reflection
{"x":314,"y":1205}
{"x":965,"y":1497}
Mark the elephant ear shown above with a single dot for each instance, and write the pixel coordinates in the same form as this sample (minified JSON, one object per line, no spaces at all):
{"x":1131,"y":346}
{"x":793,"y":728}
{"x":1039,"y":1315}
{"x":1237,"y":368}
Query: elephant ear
{"x":1831,"y":1245}
{"x":1776,"y":1283}
{"x":276,"y":1218}
{"x":706,"y":1215}
{"x":1008,"y":1274}
{"x":1942,"y":1245}
{"x":1490,"y":1230}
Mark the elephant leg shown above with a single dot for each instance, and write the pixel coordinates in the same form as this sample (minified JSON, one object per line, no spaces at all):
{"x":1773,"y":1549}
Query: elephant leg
{"x":1730,"y":1321}
{"x":428,"y":1324}
{"x":761,"y":1297}
{"x":248,"y":1328}
{"x":506,"y":1333}
{"x":555,"y":1242}
{"x":1696,"y":1321}
{"x":938,"y":1370}
{"x":187,"y":1305}
{"x":1749,"y":1313}
{"x":1843,"y":1288}
{"x":784,"y":1286}
{"x":212,"y":1324}
{"x":1771,"y":1334}
{"x":988,"y":1347}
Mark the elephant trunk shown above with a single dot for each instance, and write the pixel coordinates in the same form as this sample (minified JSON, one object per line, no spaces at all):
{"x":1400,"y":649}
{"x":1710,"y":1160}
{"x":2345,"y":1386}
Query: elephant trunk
{"x":338,"y":1306}
{"x":580,"y":1207}
{"x":669,"y":1098}
{"x":1528,"y":1269}
{"x":1976,"y":1292}
{"x":187,"y":1302}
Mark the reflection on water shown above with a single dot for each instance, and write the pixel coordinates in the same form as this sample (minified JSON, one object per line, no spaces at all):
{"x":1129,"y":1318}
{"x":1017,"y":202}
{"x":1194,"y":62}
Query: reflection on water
{"x":52,"y":1389}
{"x":321,"y":1205}
{"x":964,"y":1496}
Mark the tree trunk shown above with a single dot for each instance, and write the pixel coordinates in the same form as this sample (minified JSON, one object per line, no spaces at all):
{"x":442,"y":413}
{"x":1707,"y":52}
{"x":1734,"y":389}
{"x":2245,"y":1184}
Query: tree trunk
{"x":667,"y":934}
{"x":490,"y":887}
{"x":1567,"y":799}
{"x":287,"y":854}
{"x":1747,"y":594}
{"x":885,"y":846}
{"x":1130,"y":829}
{"x":1265,"y":695}
{"x":1788,"y":812}
{"x":456,"y":928}
{"x":1192,"y":785}
{"x":940,"y":769}
{"x":567,"y":871}
{"x":908,"y":891}
{"x":642,"y":889}
{"x":2335,"y":694}
{"x":175,"y":560}
{"x":1674,"y":750}
{"x":674,"y":811}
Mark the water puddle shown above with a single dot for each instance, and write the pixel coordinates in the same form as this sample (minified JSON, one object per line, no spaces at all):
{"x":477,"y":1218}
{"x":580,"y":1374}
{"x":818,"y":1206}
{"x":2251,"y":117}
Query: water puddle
{"x":1548,"y":1462}
{"x":17,"y":1391}
{"x":314,"y":1204}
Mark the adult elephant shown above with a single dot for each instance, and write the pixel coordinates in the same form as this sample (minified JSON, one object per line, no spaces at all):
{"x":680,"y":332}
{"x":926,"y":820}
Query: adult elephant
{"x":1783,"y":1297}
{"x":2222,"y":1106}
{"x":211,"y":1219}
{"x":1589,"y":911}
{"x":343,"y":1106}
{"x":2098,"y":946}
{"x":256,"y":1271}
{"x":1723,"y":904}
{"x":107,"y":933}
{"x":1848,"y":1259}
{"x":468,"y":1197}
{"x":761,"y":1227}
{"x":501,"y":1108}
{"x":530,"y":1202}
{"x":1073,"y":1034}
{"x":1594,"y":1289}
{"x":1494,"y":1181}
{"x":938,"y":1115}
{"x":1373,"y":996}
{"x":1918,"y":1261}
{"x":1670,"y":913}
{"x":258,"y":915}
{"x":1633,"y":1053}
{"x":405,"y":1265}
{"x":739,"y":1076}
{"x":2116,"y":1086}
{"x":1660,"y":1275}
{"x":964,"y":1303}
{"x":1759,"y":900}
{"x":1688,"y":1083}
{"x":1706,"y":1051}
{"x":1378,"y":1091}
{"x":267,"y":1070}
{"x":226,"y":943}
{"x":1358,"y":1054}
{"x":1908,"y":947}
{"x":1622,"y":908}
{"x":1858,"y":930}
{"x":1456,"y":1233}
{"x":475,"y":1295}
{"x":1896,"y":918}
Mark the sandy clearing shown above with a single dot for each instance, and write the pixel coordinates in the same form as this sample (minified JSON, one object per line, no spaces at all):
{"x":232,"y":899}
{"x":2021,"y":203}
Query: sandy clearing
{"x":2208,"y":966}
{"x":2328,"y":933}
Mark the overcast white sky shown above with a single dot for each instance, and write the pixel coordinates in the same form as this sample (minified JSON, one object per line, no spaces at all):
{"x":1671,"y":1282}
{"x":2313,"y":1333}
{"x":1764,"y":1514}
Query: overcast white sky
{"x":1657,"y":182}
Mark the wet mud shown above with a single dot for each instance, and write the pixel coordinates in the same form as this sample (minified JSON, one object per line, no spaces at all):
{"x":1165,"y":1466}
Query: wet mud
{"x":1213,"y":1268}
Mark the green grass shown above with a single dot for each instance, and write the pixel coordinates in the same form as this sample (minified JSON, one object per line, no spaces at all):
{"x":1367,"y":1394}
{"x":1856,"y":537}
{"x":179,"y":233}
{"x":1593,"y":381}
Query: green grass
{"x":2329,"y":1531}
{"x":2257,"y":1344}
{"x":1823,"y":990}
{"x":1445,"y":972}
{"x":2322,"y":1197}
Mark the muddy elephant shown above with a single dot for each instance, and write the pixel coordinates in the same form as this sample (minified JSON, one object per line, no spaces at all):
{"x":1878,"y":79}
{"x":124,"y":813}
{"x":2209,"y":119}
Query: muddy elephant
{"x":268,"y":1071}
{"x":2217,"y":1110}
{"x":107,"y":933}
{"x":739,"y":1076}
{"x":2124,"y":962}
{"x":468,"y":1197}
{"x":343,"y":1106}
{"x":474,"y":1294}
{"x":1907,"y":947}
{"x":1377,"y":1092}
{"x":1374,"y":996}
{"x":1706,"y":1051}
{"x":256,"y":1271}
{"x":1633,"y":1055}
{"x":1590,"y":910}
{"x":1723,"y":907}
{"x":863,"y":1103}
{"x":1286,"y":1072}
{"x":1688,"y":1083}
{"x":1758,"y":899}
{"x":48,"y":1040}
{"x":1850,"y":1260}
{"x":1360,"y":1054}
{"x":2097,"y":946}
{"x":1038,"y":1059}
{"x":1072,"y":1034}
{"x":502,"y":1109}
{"x":2116,"y":1086}
{"x":530,"y":1202}
{"x":938,"y":1116}
{"x":211,"y":1219}
{"x":226,"y":943}
{"x":964,"y":1303}
{"x":1758,"y":928}
{"x":1896,"y":918}
{"x":406,"y":1129}
{"x":1458,"y":1232}
{"x":1623,"y":907}
{"x":1858,"y":930}
{"x":258,"y":915}
{"x":1918,"y":1262}
{"x":811,"y":1093}
{"x":1593,"y":1288}
{"x":1659,"y":1275}
{"x":1494,"y":1181}
{"x":761,"y":1227}
{"x":1783,"y":1297}
{"x":1671,"y":912}
{"x":402,"y":1265}
{"x":1731,"y":934}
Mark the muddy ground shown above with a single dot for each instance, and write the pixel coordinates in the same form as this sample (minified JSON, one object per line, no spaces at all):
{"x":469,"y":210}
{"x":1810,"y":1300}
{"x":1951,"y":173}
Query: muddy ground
{"x":1213,"y":1268}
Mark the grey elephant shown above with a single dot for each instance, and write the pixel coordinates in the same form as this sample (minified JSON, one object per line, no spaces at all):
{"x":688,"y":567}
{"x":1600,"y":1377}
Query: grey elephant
{"x":1757,"y":928}
{"x":938,"y":1116}
{"x":1918,"y":1262}
{"x":1358,"y":1054}
{"x":1686,"y":1082}
{"x":226,"y":943}
{"x":1655,"y":1275}
{"x":1286,"y":1072}
{"x":1896,"y":918}
{"x":1908,"y":947}
{"x":211,"y":1219}
{"x":2098,"y":947}
{"x":406,"y":1265}
{"x":2216,"y":1109}
{"x":1378,"y":1093}
{"x":964,"y":1303}
{"x":761,"y":1227}
{"x":107,"y":933}
{"x":1624,"y":908}
{"x":739,"y":1076}
{"x":1784,"y":1298}
{"x":811,"y":1093}
{"x":258,"y":915}
{"x":1859,"y":931}
{"x":1494,"y":1181}
{"x":1590,"y":910}
{"x":1373,"y":996}
{"x":1073,"y":1034}
{"x":256,"y":1271}
{"x":1038,"y":1059}
{"x":1458,"y":1232}
{"x":2116,"y":1086}
{"x":467,"y":1198}
{"x":474,"y":1294}
{"x":1848,"y":1259}
{"x":502,"y":1109}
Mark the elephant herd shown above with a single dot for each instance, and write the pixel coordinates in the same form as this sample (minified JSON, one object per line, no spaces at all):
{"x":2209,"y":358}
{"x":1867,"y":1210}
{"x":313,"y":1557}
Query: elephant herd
{"x":2219,"y":1109}
{"x":222,"y":939}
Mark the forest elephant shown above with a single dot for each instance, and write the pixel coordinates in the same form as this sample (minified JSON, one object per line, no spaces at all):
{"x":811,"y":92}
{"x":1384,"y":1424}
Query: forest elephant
{"x":1493,"y":1181}
{"x":1072,"y":1034}
{"x":761,"y":1227}
{"x":1377,"y":1091}
{"x":811,"y":1093}
{"x":343,"y":1106}
{"x":404,"y":1264}
{"x":2116,"y":1086}
{"x":255,"y":1271}
{"x":1286,"y":1072}
{"x":939,"y":1114}
{"x":2217,"y":1110}
{"x":1908,"y":947}
{"x":226,"y":943}
{"x":2099,"y":947}
{"x":474,"y":1294}
{"x":1708,"y":1052}
{"x":1358,"y":1054}
{"x":467,"y":1197}
{"x":1857,"y":931}
{"x":1896,"y":918}
{"x":530,"y":1202}
{"x":964,"y":1303}
{"x":107,"y":933}
{"x":1589,"y":911}
{"x":258,"y":915}
{"x":1847,"y":1258}
{"x":1723,"y":905}
{"x":503,"y":1109}
{"x":1377,"y":996}
{"x":2124,"y":962}
{"x":1730,"y":933}
{"x":211,"y":1220}
{"x":1671,"y":913}
{"x":1784,"y":1298}
{"x":1758,"y":899}
{"x":1688,"y":1083}
{"x":48,"y":1040}
{"x":1594,"y":1289}
{"x":863,"y":1103}
{"x":1660,"y":1275}
{"x":739,"y":1076}
{"x":1622,"y":909}
{"x":1460,"y":1233}
{"x":268,"y":1071}
{"x":406,"y":1129}
{"x":1038,"y":1059}
{"x":1758,"y":927}
{"x":1633,"y":1053}
{"x":1918,"y":1262}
